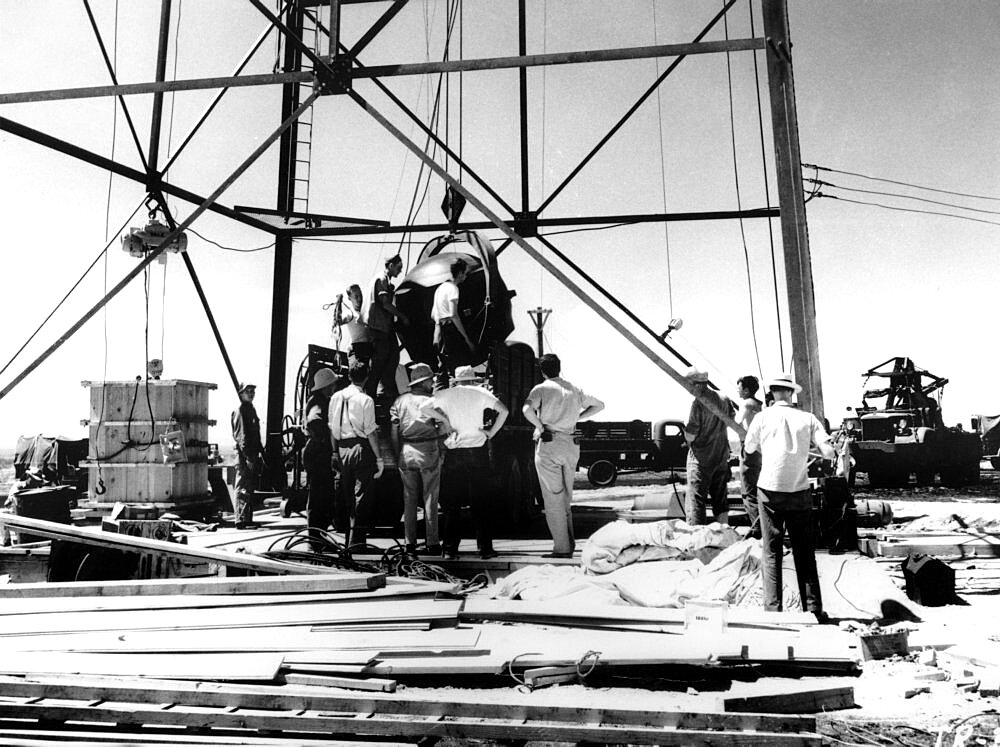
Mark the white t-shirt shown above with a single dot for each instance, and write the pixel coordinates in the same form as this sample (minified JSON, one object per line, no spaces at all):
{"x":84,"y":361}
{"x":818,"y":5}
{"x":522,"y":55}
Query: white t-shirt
{"x":783,"y":435}
{"x":355,"y":323}
{"x":443,"y":296}
{"x":464,"y":407}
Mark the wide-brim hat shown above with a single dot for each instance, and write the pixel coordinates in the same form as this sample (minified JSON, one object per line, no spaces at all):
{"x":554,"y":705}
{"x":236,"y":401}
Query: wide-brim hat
{"x":784,"y":380}
{"x":244,"y":385}
{"x":419,"y":373}
{"x":324,"y":377}
{"x":465,"y":373}
{"x":696,"y":375}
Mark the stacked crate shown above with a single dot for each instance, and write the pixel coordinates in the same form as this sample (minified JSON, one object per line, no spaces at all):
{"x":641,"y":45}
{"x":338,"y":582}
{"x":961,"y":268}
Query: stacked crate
{"x":126,"y":459}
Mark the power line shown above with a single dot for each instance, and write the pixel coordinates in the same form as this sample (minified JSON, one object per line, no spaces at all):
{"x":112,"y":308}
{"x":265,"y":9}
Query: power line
{"x":902,"y":184}
{"x":821,"y":183}
{"x":909,"y":210}
{"x":230,"y":248}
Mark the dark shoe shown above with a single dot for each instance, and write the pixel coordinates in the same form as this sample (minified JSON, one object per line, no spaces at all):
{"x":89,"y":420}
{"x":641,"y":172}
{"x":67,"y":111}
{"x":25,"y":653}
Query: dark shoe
{"x":411,"y":549}
{"x":487,"y":554}
{"x":433,"y":550}
{"x":450,"y":553}
{"x":558,"y":555}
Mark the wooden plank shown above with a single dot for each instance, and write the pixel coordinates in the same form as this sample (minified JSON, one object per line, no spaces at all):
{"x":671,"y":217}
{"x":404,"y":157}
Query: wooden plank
{"x":802,"y":701}
{"x":139,"y":544}
{"x":26,"y":735}
{"x":513,"y":610}
{"x":46,"y":623}
{"x":242,"y":666}
{"x":456,"y":728}
{"x":319,"y":583}
{"x":207,"y":694}
{"x":373,"y":684}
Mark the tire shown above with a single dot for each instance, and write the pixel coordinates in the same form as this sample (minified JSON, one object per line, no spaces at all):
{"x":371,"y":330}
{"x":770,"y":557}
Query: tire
{"x":925,"y":478}
{"x":972,"y":474}
{"x":995,"y":461}
{"x":952,"y":476}
{"x":602,"y":473}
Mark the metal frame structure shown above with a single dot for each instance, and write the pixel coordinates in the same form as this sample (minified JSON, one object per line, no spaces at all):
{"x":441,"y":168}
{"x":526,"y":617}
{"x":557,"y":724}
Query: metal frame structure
{"x":334,"y":73}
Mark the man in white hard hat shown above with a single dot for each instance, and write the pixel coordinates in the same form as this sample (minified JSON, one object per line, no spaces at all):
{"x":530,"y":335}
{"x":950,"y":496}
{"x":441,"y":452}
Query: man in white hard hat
{"x":784,"y":435}
{"x":317,"y":454}
{"x":708,"y":453}
{"x":467,"y":460}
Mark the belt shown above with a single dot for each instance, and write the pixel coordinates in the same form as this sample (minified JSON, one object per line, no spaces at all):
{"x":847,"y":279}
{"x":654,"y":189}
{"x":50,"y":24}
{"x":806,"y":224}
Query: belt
{"x":444,"y":322}
{"x":352,"y":441}
{"x":421,"y":440}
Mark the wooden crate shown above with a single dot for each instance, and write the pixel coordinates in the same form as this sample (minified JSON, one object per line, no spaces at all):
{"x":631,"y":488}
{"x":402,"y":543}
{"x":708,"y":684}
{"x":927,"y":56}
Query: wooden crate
{"x":149,"y":483}
{"x":173,"y":399}
{"x":108,"y":438}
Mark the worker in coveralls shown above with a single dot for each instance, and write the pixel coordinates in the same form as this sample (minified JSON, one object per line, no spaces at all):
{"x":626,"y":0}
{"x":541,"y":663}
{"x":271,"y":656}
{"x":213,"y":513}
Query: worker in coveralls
{"x":249,"y":452}
{"x":354,"y":447}
{"x":467,"y":460}
{"x":317,"y":454}
{"x":554,"y":407}
{"x":749,"y":406}
{"x":783,"y":435}
{"x":417,"y":436}
{"x":381,"y":318}
{"x":708,"y":453}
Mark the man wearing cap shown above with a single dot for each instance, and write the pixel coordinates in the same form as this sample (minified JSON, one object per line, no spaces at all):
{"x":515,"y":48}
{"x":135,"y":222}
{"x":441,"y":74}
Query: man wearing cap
{"x":317,"y":454}
{"x":747,"y":388}
{"x":354,"y":447}
{"x":554,"y":407}
{"x":450,"y":338}
{"x":249,"y":452}
{"x":381,"y":318}
{"x":417,"y":434}
{"x":708,"y":453}
{"x":468,"y":409}
{"x":783,"y":435}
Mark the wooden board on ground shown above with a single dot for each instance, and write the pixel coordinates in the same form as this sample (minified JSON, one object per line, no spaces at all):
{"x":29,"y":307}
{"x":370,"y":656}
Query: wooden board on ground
{"x":242,"y":667}
{"x":251,"y":616}
{"x":812,"y":700}
{"x":137,"y":544}
{"x":373,"y":684}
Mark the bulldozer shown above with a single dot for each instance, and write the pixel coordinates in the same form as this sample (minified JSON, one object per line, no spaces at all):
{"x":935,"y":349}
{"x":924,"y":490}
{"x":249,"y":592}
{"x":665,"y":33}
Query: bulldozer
{"x":907,"y":435}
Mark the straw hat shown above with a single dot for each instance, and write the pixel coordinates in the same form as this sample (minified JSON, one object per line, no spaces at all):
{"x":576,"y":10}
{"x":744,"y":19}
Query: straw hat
{"x":324,"y":377}
{"x":464,"y":373}
{"x":784,"y":380}
{"x":696,"y":375}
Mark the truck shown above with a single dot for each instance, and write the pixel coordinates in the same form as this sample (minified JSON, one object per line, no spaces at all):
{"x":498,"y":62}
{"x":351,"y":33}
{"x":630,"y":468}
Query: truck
{"x":906,"y":435}
{"x":988,"y":428}
{"x":609,"y":448}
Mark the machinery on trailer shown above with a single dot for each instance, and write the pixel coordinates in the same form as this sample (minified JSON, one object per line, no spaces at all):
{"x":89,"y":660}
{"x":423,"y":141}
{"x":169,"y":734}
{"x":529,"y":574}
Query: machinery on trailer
{"x":907,"y":434}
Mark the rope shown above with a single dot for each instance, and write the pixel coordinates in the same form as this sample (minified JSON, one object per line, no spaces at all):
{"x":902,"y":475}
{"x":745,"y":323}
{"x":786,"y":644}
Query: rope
{"x":663,"y":167}
{"x":767,"y":196}
{"x":739,"y":201}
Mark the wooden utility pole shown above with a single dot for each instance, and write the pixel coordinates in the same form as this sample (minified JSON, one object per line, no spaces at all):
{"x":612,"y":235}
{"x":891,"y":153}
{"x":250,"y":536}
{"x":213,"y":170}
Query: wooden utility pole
{"x":794,"y":233}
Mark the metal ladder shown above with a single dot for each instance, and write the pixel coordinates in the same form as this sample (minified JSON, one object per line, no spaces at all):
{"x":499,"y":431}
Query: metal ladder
{"x":311,"y":36}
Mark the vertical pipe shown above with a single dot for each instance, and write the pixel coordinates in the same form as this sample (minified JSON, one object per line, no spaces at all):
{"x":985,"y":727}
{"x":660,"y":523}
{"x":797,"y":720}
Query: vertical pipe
{"x":522,"y":49}
{"x":794,"y":231}
{"x":334,"y":28}
{"x":282,"y":272}
{"x":161,"y":73}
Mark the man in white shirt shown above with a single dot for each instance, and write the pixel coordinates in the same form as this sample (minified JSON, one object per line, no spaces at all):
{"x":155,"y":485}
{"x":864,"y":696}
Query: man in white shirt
{"x":451,"y":341}
{"x":352,"y":316}
{"x":354,"y":441}
{"x":747,"y":388}
{"x":464,"y":478}
{"x":783,"y":435}
{"x":554,"y":407}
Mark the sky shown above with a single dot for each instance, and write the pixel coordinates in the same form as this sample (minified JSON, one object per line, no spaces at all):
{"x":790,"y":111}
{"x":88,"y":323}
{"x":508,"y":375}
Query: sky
{"x":904,"y":91}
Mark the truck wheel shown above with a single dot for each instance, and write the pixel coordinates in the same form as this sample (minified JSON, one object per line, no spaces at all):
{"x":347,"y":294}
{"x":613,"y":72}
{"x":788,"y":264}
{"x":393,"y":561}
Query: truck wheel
{"x":995,"y":461}
{"x":925,"y":477}
{"x":972,"y":474}
{"x":602,"y":473}
{"x":952,"y":476}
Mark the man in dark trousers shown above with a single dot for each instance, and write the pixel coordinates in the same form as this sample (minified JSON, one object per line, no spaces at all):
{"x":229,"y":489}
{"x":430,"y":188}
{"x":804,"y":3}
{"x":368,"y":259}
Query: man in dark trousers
{"x":467,"y":459}
{"x":749,"y":406}
{"x":708,"y":454}
{"x":784,"y":435}
{"x":381,"y":320}
{"x":451,"y":341}
{"x":354,"y":442}
{"x":249,"y":452}
{"x":317,"y":454}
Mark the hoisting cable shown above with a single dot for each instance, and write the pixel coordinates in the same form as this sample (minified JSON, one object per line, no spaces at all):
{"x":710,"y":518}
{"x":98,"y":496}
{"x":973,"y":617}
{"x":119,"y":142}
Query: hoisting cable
{"x":767,"y":195}
{"x":77,"y":283}
{"x":663,"y":167}
{"x":739,"y":201}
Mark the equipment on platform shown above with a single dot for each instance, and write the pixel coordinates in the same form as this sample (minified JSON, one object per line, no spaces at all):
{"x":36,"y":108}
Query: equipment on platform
{"x":140,"y":241}
{"x":907,"y":435}
{"x":929,"y":581}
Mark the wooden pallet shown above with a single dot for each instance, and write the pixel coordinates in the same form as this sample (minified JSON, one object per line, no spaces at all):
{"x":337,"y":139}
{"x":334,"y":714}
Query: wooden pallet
{"x":279,"y":710}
